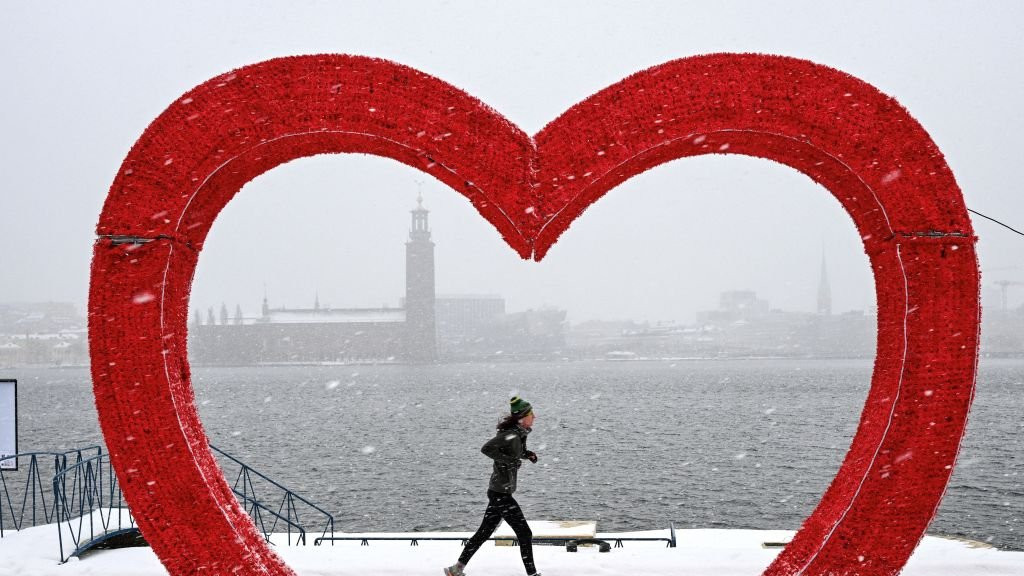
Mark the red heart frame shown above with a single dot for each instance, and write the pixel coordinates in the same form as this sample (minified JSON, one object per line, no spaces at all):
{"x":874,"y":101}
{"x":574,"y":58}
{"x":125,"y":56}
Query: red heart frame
{"x":840,"y":131}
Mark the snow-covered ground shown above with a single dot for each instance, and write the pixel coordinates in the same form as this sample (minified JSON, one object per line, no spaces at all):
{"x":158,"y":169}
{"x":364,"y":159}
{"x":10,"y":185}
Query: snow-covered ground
{"x":34,"y":551}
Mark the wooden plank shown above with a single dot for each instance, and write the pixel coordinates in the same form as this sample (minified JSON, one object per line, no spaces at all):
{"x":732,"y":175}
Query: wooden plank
{"x":562,"y":529}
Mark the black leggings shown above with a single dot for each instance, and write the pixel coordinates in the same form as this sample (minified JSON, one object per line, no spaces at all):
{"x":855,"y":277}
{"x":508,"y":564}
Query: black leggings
{"x":502,"y":506}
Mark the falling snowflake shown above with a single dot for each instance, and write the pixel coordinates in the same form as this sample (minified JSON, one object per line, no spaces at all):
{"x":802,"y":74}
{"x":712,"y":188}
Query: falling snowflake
{"x":891,"y":177}
{"x":143,"y":297}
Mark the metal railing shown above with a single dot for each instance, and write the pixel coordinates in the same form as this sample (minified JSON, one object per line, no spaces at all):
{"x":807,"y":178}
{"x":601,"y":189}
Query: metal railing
{"x":89,"y":505}
{"x":287,"y":510}
{"x":29,"y":500}
{"x":83,"y":498}
{"x":87,"y":501}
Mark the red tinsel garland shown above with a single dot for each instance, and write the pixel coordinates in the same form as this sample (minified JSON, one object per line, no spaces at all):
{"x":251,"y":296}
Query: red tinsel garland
{"x":843,"y":133}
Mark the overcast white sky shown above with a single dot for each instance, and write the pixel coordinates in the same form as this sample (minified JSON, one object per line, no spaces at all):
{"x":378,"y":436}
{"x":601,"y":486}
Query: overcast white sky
{"x":81,"y":81}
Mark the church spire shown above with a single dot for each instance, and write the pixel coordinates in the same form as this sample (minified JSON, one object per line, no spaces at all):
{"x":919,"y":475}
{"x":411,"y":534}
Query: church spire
{"x":824,"y":290}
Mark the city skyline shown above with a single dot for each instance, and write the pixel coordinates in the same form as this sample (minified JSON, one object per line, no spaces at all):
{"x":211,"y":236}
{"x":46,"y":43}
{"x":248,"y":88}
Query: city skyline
{"x":658,"y":247}
{"x":657,"y":292}
{"x":319,"y":298}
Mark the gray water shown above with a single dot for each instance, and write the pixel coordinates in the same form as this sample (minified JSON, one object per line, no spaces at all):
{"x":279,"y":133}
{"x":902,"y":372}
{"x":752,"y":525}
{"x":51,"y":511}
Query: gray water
{"x":632,"y":445}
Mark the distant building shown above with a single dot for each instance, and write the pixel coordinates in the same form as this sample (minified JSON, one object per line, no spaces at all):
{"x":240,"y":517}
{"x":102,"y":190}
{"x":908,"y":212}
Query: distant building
{"x":423,"y":328}
{"x":466,"y":324}
{"x":477,"y":327}
{"x":627,"y":339}
{"x":743,"y":325}
{"x":1002,"y":335}
{"x":420,"y":324}
{"x":38,"y":317}
{"x":11,"y":355}
{"x":533,"y":334}
{"x":51,"y":333}
{"x":746,"y":326}
{"x":734,"y":306}
{"x":282,"y":335}
{"x":824,"y":290}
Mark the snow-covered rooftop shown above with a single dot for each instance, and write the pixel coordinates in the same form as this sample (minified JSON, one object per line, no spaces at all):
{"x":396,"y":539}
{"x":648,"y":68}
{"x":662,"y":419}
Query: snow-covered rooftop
{"x":342,"y":316}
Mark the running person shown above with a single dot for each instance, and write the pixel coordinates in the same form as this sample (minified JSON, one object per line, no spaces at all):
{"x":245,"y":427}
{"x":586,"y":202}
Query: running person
{"x":508,"y":450}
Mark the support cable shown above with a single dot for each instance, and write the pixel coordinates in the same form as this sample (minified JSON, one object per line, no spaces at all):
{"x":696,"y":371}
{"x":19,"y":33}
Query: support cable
{"x":1008,"y":227}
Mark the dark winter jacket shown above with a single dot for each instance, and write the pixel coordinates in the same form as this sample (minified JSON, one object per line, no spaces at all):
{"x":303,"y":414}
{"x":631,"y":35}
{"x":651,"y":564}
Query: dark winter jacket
{"x":507,"y":449}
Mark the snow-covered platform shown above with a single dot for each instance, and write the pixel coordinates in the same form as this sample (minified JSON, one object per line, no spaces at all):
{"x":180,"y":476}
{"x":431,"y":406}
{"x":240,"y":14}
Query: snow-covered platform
{"x":545,"y":529}
{"x":706,"y":552}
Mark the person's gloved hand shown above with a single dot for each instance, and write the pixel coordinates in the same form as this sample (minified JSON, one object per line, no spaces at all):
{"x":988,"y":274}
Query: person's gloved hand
{"x":531,"y":456}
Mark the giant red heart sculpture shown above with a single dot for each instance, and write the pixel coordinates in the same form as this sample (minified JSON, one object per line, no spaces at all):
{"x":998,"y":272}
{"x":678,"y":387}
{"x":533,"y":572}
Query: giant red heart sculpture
{"x":843,"y":133}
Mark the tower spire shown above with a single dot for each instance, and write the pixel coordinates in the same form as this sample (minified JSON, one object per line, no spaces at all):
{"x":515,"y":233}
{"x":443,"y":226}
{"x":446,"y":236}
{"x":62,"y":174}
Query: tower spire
{"x":420,"y":325}
{"x":420,"y":230}
{"x":824,"y":289}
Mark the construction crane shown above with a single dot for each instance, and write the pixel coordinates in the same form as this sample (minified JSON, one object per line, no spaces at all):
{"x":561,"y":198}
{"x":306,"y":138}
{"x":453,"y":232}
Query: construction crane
{"x":1003,"y":285}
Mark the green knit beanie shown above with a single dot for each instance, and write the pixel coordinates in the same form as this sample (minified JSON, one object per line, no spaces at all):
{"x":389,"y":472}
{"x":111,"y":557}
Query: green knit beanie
{"x":519,"y":406}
